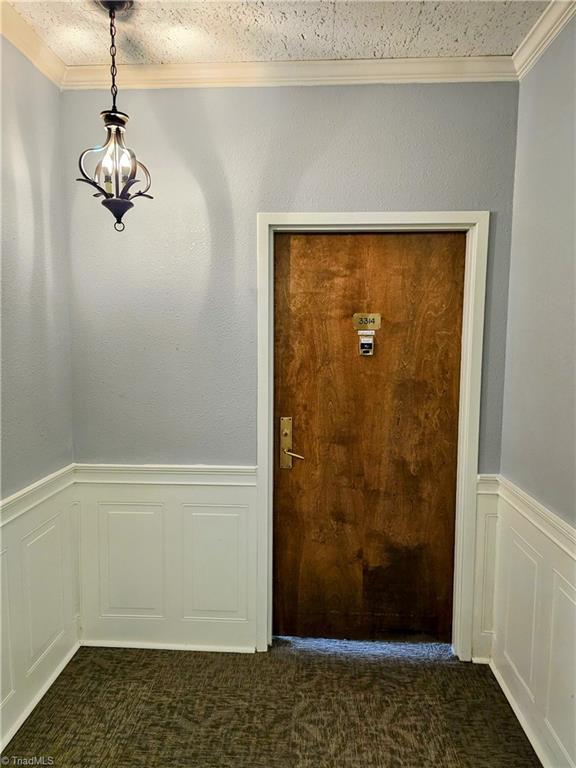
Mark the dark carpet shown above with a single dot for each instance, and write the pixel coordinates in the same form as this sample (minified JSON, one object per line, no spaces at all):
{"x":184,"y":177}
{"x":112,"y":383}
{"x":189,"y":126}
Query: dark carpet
{"x":306,"y":704}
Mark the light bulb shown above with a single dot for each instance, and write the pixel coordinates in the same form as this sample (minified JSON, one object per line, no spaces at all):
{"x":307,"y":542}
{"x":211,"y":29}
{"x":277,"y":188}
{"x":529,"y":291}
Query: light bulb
{"x":116,"y":166}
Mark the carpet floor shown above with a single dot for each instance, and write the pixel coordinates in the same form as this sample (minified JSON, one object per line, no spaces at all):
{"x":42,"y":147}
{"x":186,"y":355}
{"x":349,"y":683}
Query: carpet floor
{"x":305,"y":704}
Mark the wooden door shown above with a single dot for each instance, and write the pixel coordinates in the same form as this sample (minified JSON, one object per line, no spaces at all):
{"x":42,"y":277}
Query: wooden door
{"x":364,"y":525}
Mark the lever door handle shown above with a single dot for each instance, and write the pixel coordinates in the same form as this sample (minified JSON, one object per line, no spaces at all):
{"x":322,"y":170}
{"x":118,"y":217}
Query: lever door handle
{"x":286,"y":452}
{"x":290,"y":453}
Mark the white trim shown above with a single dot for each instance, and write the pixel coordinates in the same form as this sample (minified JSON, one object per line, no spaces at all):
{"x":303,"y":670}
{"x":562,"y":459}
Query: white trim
{"x":20,"y":502}
{"x":454,"y":69}
{"x":24,"y":38}
{"x":41,"y":693}
{"x":547,"y":27}
{"x":475,"y":224}
{"x":167,"y":646}
{"x":553,"y":526}
{"x":550,"y":536}
{"x":278,"y":73}
{"x":173,"y":474}
{"x":533,"y":737}
{"x":487,"y":503}
{"x":195,"y":474}
{"x":488,"y":485}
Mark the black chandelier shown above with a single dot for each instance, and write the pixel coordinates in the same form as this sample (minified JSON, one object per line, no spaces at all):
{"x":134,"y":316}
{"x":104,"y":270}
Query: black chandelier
{"x":115,"y":173}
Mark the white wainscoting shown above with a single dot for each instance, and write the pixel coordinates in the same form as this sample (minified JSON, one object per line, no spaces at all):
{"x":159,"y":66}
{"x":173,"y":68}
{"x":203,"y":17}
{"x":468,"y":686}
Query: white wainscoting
{"x":534,"y":649}
{"x":168,"y":557}
{"x":485,"y":567}
{"x":38,"y":555}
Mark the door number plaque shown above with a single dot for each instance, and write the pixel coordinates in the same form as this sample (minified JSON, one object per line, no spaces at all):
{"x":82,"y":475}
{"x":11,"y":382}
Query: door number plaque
{"x":367,"y":320}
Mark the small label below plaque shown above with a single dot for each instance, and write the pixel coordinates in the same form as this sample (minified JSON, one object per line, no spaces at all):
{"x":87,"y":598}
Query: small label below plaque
{"x":367,"y":320}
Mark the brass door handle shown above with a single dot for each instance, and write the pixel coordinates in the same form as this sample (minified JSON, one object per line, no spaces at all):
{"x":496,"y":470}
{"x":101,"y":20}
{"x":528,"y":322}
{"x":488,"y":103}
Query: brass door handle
{"x":290,"y":453}
{"x":286,"y":452}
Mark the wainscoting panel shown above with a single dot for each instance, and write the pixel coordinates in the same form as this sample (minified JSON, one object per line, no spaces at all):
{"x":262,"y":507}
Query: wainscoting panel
{"x":39,"y":611}
{"x":7,"y":679}
{"x":485,"y":567}
{"x":42,"y":552}
{"x":535,"y":623}
{"x":560,"y":711}
{"x":214,"y":561}
{"x":169,"y":561}
{"x":131,"y":553}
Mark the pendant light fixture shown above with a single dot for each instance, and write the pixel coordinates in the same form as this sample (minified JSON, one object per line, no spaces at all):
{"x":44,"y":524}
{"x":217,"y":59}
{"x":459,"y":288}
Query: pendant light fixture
{"x":117,"y":170}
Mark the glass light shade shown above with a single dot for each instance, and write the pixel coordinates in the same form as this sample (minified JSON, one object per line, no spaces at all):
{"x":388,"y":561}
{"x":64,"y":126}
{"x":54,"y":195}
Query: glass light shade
{"x":117,"y":170}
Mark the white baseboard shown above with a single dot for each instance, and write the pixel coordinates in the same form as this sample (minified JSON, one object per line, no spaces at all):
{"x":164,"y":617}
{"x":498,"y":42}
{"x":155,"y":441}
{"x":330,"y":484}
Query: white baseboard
{"x":533,"y":737}
{"x":168,"y":646}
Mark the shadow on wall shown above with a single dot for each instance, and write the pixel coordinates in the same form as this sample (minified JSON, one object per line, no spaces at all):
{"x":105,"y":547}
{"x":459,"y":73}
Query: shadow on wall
{"x":205,"y":167}
{"x":36,"y":376}
{"x":215,"y":165}
{"x":297,"y":159}
{"x":32,"y":233}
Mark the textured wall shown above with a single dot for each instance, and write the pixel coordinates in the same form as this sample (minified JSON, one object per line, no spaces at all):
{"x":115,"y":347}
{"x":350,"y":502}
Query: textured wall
{"x":36,"y":397}
{"x":164,"y":314}
{"x":539,"y":431}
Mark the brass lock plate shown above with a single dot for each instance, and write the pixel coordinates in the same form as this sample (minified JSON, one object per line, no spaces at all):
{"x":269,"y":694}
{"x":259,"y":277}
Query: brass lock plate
{"x":285,"y":442}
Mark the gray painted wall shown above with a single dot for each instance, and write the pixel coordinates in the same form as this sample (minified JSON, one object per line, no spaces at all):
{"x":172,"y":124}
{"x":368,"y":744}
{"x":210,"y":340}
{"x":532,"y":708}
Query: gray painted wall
{"x":164,"y":314}
{"x":36,"y":370}
{"x":539,"y":429}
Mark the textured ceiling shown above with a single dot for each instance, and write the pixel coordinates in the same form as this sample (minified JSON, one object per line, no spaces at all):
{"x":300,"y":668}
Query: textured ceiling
{"x":274,"y":30}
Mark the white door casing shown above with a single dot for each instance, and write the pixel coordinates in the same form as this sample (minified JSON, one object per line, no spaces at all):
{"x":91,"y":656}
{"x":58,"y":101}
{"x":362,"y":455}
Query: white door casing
{"x":475,"y":224}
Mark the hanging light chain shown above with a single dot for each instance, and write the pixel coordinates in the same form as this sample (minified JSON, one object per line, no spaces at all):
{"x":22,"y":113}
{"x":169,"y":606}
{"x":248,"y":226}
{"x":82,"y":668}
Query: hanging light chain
{"x":113,"y":68}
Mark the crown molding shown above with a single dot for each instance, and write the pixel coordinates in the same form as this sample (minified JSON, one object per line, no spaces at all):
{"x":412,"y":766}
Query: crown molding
{"x":24,"y":38}
{"x":280,"y":73}
{"x":550,"y":23}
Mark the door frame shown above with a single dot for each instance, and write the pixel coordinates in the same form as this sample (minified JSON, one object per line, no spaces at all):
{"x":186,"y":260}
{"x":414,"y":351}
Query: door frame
{"x":476,"y":226}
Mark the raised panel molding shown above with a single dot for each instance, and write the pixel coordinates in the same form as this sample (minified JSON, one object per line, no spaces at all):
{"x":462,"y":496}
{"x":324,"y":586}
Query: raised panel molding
{"x":521,"y":609}
{"x":168,"y":557}
{"x":560,"y":699}
{"x":42,"y":554}
{"x":214,"y":562}
{"x":486,"y":538}
{"x":131,"y":548}
{"x":7,"y":679}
